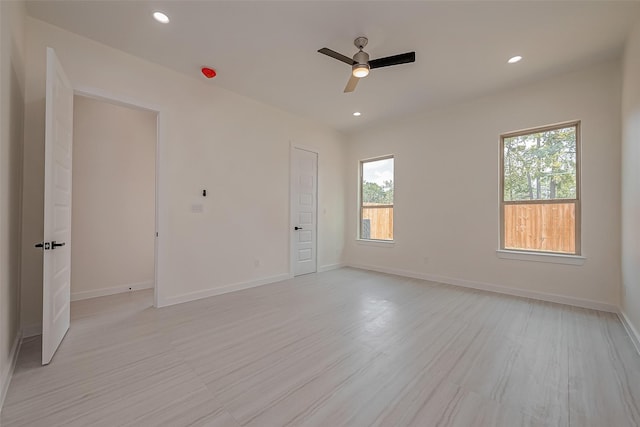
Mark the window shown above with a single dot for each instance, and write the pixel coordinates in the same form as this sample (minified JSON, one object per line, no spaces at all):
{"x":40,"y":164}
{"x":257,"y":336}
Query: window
{"x":540,"y":190}
{"x":376,"y":199}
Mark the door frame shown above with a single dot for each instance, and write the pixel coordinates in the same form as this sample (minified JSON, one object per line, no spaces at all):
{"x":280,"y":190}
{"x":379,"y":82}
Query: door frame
{"x":160,"y":228}
{"x":292,"y":147}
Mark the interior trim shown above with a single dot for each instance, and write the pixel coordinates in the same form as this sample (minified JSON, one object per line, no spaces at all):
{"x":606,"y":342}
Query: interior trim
{"x":631,"y":331}
{"x":541,"y":296}
{"x":541,"y":257}
{"x":205,"y":293}
{"x":7,"y":374}
{"x":102,"y":292}
{"x":329,"y":267}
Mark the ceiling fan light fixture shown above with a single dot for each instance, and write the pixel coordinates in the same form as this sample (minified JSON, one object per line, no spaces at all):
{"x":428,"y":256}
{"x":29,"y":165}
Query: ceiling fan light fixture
{"x":360,"y":70}
{"x":360,"y":64}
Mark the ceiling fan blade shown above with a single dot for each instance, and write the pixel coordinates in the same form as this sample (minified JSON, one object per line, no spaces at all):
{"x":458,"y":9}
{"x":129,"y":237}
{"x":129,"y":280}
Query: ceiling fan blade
{"x":336,"y":55}
{"x":351,"y":84}
{"x":403,"y":58}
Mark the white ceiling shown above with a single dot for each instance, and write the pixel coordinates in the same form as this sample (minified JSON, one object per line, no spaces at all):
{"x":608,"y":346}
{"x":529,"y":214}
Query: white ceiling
{"x":267,"y":49}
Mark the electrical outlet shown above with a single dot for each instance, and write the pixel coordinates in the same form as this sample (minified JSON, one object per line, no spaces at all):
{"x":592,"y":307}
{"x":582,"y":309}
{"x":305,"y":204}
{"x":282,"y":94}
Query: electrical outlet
{"x":425,"y":260}
{"x":257,"y":262}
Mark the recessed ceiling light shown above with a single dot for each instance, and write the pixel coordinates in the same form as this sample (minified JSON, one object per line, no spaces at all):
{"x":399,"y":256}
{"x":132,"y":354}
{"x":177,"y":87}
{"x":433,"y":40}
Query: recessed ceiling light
{"x":357,"y":114}
{"x":514,"y":59}
{"x":161,"y":17}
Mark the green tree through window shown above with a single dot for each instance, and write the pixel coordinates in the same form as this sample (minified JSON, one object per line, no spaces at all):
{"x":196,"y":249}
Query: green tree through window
{"x":379,"y":194}
{"x":540,"y":165}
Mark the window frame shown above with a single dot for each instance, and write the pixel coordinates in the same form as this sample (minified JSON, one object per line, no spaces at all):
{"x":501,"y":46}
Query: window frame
{"x":577,"y":201}
{"x":361,"y":198}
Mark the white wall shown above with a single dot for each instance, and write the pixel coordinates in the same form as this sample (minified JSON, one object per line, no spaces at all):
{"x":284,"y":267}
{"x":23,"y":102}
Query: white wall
{"x":12,"y":16}
{"x":446,"y":188}
{"x":113,"y":215}
{"x":631,"y":181}
{"x":210,"y":138}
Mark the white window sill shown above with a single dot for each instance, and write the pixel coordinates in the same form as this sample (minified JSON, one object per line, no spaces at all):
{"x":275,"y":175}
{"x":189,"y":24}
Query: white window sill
{"x":378,"y":243}
{"x":541,"y":257}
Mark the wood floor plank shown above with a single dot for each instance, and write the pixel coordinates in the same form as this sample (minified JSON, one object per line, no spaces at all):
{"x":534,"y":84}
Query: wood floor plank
{"x":342,"y":348}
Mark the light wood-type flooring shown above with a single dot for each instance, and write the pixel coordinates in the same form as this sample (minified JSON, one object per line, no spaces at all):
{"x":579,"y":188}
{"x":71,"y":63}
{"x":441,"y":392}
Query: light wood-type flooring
{"x":342,"y":348}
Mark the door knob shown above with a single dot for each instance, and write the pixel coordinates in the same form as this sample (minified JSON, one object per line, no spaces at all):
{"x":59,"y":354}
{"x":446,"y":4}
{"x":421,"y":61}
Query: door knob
{"x":46,"y":245}
{"x":297,"y":228}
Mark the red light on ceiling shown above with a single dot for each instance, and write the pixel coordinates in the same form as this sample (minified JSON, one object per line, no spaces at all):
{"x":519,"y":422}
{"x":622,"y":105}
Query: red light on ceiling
{"x":208,"y":72}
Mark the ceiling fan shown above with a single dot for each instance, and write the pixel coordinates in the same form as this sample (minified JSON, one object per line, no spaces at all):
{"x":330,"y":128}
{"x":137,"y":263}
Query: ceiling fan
{"x":360,"y":64}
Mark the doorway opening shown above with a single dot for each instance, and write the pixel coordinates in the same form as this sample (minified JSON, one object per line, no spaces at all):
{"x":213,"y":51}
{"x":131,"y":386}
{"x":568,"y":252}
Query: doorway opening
{"x":114,"y":199}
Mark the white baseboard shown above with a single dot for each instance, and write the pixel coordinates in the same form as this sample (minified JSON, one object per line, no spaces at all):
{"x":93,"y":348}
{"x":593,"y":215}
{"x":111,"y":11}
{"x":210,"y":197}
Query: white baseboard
{"x":631,"y":330}
{"x":7,"y":373}
{"x":31,"y":330}
{"x":329,"y":267}
{"x":192,"y":296}
{"x":103,"y":292}
{"x":542,"y":296}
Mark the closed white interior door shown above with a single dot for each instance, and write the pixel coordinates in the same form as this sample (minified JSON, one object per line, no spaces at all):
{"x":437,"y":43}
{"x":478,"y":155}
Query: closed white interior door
{"x":56,"y":295}
{"x":304,"y":196}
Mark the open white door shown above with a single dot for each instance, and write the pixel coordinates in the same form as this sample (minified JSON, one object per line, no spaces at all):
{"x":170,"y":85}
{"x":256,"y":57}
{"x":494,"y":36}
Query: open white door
{"x":56,"y":286}
{"x":304,"y":194}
